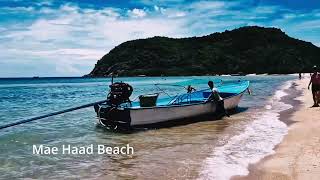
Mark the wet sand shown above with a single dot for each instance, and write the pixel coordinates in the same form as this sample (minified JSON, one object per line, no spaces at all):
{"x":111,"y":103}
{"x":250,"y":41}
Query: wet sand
{"x":298,"y":155}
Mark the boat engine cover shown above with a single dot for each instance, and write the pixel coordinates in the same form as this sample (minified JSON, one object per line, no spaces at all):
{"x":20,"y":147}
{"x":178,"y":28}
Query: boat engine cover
{"x":119,"y":93}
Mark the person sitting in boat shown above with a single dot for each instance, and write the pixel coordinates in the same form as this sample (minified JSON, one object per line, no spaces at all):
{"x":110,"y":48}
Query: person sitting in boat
{"x":215,"y":96}
{"x":190,"y":89}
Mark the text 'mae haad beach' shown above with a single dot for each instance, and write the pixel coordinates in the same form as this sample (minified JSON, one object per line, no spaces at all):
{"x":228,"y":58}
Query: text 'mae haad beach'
{"x":84,"y":150}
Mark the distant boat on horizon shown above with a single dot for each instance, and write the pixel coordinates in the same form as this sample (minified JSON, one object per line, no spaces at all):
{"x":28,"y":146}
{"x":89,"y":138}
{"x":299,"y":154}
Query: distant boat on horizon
{"x":239,"y":74}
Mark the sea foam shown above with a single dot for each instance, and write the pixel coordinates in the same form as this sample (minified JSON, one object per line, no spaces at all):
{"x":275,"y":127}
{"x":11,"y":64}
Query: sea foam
{"x":256,"y":141}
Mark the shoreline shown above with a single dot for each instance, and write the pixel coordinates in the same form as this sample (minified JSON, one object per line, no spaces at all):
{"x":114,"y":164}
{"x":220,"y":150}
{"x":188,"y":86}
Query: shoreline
{"x":296,"y":155}
{"x":102,"y":77}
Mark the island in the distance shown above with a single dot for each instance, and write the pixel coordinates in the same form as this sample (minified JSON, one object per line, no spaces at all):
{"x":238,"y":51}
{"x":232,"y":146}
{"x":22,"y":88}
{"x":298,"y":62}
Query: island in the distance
{"x":246,"y":50}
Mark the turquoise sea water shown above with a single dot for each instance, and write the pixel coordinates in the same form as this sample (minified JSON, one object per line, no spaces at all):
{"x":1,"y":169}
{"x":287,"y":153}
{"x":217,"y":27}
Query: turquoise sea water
{"x":176,"y":152}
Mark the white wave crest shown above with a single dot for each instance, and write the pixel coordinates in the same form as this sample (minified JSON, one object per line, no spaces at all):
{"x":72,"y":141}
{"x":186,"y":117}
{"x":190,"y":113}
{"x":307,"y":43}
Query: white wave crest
{"x":257,"y":141}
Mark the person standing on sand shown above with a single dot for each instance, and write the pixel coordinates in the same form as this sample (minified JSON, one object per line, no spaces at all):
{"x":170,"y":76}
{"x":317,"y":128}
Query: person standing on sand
{"x":315,"y":81}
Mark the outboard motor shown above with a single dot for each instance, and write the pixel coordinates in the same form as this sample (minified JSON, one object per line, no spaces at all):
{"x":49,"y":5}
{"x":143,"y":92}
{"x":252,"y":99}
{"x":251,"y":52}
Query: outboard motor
{"x":109,"y":115}
{"x":119,"y":93}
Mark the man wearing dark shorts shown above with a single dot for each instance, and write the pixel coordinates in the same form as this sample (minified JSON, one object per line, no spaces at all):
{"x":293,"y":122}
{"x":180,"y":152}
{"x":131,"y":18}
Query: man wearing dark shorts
{"x":217,"y":98}
{"x":315,"y":81}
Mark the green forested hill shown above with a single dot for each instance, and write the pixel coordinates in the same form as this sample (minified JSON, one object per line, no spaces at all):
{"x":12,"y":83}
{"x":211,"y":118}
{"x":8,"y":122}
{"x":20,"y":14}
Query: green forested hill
{"x":247,"y":49}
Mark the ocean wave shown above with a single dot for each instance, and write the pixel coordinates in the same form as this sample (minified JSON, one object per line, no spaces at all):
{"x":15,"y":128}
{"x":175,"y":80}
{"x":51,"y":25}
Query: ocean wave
{"x":257,"y":141}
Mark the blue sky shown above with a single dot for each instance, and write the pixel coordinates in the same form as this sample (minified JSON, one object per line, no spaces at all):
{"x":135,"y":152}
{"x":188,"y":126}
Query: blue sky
{"x":66,"y":38}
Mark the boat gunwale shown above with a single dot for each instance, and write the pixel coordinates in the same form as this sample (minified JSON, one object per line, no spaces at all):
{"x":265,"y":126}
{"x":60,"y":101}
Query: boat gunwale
{"x":183,"y":105}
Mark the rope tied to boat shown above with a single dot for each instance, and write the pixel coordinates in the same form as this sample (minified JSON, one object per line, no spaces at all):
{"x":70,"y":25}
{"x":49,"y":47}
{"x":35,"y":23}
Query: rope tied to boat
{"x":50,"y":114}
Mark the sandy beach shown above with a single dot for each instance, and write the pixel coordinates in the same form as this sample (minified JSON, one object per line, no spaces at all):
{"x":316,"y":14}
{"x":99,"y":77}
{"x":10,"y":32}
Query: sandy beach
{"x":298,"y":155}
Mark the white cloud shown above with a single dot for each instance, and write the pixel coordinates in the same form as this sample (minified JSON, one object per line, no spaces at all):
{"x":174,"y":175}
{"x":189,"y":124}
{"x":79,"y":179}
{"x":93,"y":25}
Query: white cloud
{"x":74,"y":53}
{"x":266,"y":9}
{"x":309,"y":24}
{"x":17,"y":9}
{"x":74,"y":37}
{"x":62,"y":68}
{"x":289,"y":16}
{"x":44,"y":3}
{"x":69,"y":40}
{"x":156,"y":8}
{"x":172,"y":13}
{"x":208,"y":5}
{"x":137,"y":13}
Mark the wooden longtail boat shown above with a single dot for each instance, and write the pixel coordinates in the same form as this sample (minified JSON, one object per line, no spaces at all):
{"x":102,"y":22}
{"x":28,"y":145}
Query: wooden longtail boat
{"x":150,"y":111}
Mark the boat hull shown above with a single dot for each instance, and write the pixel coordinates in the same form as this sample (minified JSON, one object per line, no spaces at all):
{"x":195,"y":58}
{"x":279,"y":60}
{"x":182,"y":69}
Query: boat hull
{"x":147,"y":117}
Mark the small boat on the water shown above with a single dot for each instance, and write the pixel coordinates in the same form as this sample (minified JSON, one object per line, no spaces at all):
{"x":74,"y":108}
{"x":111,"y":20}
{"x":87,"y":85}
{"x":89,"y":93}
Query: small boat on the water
{"x":151,"y":111}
